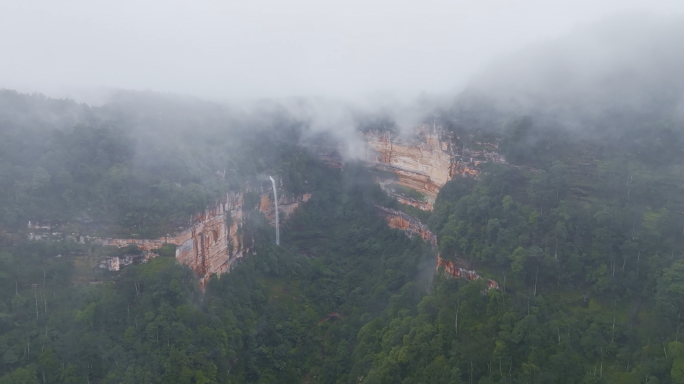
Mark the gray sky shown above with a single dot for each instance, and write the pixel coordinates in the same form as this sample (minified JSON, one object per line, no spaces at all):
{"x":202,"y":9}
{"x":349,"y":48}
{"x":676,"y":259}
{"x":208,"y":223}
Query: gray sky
{"x":232,"y":50}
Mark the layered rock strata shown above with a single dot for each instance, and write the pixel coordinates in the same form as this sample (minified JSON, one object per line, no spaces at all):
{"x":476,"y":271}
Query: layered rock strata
{"x":412,"y":226}
{"x":420,"y":204}
{"x":467,"y":274}
{"x":422,"y":162}
{"x":407,"y":223}
{"x":425,"y":160}
{"x":209,"y":246}
{"x":287,"y":203}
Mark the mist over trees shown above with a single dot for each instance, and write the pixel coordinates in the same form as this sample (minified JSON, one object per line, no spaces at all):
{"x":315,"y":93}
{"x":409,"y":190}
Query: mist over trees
{"x":142,"y":163}
{"x":582,"y":228}
{"x":598,"y":81}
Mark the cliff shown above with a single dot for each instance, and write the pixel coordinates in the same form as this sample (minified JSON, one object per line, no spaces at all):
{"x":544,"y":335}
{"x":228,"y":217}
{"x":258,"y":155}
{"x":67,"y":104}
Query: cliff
{"x":209,"y":246}
{"x":407,"y":223}
{"x":424,"y":161}
{"x":287,"y":203}
{"x":412,"y":226}
{"x":458,"y":272}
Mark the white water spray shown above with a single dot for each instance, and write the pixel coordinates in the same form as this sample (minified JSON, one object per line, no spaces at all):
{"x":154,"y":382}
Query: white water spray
{"x":275,"y":195}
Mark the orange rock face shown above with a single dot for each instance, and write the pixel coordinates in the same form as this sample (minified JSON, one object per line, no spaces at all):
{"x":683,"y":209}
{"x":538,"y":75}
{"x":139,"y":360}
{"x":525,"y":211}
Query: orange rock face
{"x":409,"y":224}
{"x":423,"y":205}
{"x":468,"y":274}
{"x":286,"y":205}
{"x":209,"y":246}
{"x":423,"y":163}
{"x":426,"y":160}
{"x":412,"y":226}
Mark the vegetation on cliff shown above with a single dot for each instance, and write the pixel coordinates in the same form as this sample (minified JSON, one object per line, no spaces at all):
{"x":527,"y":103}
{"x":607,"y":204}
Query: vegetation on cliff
{"x":260,"y":323}
{"x":140,"y":165}
{"x":582,"y":228}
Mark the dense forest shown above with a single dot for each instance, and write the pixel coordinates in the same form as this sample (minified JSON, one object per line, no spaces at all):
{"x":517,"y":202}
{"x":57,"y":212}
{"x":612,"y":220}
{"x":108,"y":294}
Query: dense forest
{"x":138,"y":166}
{"x":584,"y":240}
{"x":582,"y":228}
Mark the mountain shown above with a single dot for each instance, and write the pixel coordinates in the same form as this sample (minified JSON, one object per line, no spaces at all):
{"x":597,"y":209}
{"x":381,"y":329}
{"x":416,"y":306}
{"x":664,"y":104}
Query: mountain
{"x":529,"y":232}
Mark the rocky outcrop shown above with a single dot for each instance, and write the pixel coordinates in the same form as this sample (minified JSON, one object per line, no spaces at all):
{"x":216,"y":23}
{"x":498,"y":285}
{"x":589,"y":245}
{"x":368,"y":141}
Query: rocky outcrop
{"x":210,"y":246}
{"x":425,"y":160}
{"x":412,"y":226}
{"x":458,"y":272}
{"x":117,"y":262}
{"x":287,"y":203}
{"x":387,"y":186}
{"x":407,"y":223}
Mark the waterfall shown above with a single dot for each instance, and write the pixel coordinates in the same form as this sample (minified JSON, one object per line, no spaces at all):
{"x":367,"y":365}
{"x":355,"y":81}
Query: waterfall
{"x":275,"y":196}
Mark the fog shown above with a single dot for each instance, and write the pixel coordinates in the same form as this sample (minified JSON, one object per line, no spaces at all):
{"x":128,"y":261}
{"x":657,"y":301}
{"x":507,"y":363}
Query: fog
{"x":631,"y":61}
{"x":232,"y":51}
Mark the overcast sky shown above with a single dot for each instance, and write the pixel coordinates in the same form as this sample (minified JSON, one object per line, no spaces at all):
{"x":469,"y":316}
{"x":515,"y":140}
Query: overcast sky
{"x":232,"y":50}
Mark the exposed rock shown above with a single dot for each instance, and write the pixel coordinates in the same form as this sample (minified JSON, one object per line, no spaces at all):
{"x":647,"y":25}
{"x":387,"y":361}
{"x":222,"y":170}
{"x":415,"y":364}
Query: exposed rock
{"x":458,"y":272}
{"x":420,"y":204}
{"x":426,"y":160}
{"x":407,"y":223}
{"x":209,"y":246}
{"x":205,"y":245}
{"x":117,"y":262}
{"x":287,"y":203}
{"x":36,"y":225}
{"x":412,"y":226}
{"x":423,"y":162}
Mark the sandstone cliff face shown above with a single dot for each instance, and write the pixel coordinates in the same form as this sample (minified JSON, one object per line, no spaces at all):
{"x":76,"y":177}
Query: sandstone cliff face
{"x":209,"y":246}
{"x":468,"y":274}
{"x":425,"y":161}
{"x":287,"y":203}
{"x":412,"y":226}
{"x":407,"y":223}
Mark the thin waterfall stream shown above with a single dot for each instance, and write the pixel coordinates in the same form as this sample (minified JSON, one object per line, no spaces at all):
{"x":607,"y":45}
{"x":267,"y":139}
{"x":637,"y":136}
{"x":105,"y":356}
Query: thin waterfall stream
{"x":277,"y":224}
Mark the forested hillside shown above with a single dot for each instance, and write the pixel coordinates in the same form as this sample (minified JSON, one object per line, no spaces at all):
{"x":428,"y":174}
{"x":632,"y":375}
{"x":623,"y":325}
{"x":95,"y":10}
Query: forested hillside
{"x":583,"y":237}
{"x":581,"y":227}
{"x":267,"y":321}
{"x":140,"y":165}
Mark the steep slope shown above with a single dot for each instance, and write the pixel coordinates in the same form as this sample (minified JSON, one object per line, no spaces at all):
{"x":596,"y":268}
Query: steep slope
{"x":424,"y":160}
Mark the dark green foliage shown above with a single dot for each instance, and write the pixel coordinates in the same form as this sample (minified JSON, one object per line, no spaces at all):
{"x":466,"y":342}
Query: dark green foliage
{"x":590,"y":260}
{"x":583,"y":233}
{"x":263,"y":322}
{"x":139,"y":166}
